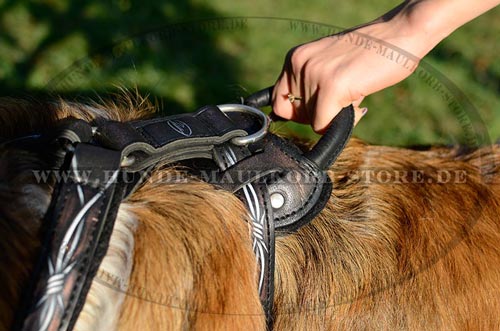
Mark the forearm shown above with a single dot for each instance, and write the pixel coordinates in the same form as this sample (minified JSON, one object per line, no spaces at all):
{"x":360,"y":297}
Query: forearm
{"x":340,"y":70}
{"x":430,"y":21}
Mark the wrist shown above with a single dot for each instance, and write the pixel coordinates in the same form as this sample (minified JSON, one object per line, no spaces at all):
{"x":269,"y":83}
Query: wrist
{"x":430,"y":21}
{"x":425,"y":24}
{"x":402,"y":32}
{"x":409,"y":27}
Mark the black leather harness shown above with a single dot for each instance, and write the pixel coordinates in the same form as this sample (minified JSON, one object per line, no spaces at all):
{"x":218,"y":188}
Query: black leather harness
{"x":282,"y":188}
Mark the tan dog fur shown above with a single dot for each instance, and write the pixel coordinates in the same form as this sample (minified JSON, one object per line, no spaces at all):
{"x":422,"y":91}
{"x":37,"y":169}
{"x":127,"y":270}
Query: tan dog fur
{"x":409,"y":253}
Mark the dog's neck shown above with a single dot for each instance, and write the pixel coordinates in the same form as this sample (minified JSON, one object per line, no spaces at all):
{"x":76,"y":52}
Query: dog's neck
{"x":26,"y":184}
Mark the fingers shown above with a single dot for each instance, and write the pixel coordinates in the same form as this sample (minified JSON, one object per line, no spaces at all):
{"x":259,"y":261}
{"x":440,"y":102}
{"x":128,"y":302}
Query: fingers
{"x":357,"y":102}
{"x":291,"y":82}
{"x":281,"y":105}
{"x":327,"y":107}
{"x":321,"y":99}
{"x":358,"y":114}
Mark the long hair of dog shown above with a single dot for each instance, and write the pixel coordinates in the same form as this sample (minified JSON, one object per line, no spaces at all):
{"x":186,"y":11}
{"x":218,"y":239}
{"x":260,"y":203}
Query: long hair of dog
{"x":409,"y":240}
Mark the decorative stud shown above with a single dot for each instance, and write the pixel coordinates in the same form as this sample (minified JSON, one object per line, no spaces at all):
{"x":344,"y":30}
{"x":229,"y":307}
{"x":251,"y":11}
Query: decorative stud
{"x":277,"y":200}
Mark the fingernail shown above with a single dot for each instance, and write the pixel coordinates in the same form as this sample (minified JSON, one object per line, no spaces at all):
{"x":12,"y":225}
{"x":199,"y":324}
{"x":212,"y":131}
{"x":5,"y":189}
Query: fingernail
{"x":364,"y":111}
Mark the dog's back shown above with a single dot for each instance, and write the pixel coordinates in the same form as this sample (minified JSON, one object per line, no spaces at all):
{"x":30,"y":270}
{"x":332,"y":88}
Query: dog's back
{"x":409,"y":240}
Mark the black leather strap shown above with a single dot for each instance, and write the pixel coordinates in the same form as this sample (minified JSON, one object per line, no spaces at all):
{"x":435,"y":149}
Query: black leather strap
{"x":260,"y":98}
{"x":260,"y":212}
{"x":169,"y":139}
{"x":256,"y":198}
{"x":282,"y":187}
{"x":332,"y":143}
{"x":86,"y":204}
{"x":286,"y":172}
{"x":82,"y":221}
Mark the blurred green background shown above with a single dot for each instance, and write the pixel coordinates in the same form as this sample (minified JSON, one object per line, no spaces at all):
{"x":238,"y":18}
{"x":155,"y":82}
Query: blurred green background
{"x":186,"y":54}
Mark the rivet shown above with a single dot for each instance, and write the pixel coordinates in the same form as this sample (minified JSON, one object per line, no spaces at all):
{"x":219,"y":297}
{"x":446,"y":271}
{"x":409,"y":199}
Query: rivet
{"x":277,"y":200}
{"x":127,"y":161}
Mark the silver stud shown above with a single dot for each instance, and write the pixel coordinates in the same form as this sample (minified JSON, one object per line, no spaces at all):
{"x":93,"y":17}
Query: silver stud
{"x":127,"y":161}
{"x":277,"y":200}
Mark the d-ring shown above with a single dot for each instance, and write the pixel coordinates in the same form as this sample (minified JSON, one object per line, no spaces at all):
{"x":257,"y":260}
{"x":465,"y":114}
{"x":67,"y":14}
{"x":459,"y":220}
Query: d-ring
{"x":251,"y":138}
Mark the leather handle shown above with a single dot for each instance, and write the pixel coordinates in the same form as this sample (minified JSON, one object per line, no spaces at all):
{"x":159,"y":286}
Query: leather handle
{"x":331,"y":144}
{"x":260,"y":98}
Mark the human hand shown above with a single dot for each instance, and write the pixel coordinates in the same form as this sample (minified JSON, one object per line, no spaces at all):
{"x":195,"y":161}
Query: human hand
{"x":333,"y":72}
{"x":336,"y":71}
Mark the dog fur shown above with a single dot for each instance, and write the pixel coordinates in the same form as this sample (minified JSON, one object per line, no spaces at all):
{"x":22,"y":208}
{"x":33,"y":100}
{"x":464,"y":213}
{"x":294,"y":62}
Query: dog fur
{"x":397,"y":246}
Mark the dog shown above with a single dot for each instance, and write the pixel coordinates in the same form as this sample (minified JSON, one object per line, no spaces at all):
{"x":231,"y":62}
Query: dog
{"x":409,"y":240}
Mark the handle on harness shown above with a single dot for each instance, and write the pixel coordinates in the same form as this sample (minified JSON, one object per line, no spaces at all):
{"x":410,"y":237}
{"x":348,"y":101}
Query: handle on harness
{"x":329,"y":146}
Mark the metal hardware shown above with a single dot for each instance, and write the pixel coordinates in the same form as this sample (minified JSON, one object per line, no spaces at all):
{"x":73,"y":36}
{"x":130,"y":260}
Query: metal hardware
{"x":251,"y":138}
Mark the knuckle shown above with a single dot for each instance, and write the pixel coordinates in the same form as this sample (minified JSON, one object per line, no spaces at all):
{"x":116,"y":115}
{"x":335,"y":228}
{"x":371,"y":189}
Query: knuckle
{"x":316,"y":68}
{"x":298,"y":57}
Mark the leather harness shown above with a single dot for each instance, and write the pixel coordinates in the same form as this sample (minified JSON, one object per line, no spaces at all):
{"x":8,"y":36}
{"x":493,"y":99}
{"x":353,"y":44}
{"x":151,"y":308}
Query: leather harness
{"x":282,"y":188}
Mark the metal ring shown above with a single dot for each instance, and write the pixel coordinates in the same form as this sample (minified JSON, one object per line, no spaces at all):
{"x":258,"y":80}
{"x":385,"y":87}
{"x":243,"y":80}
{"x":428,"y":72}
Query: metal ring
{"x":251,"y":138}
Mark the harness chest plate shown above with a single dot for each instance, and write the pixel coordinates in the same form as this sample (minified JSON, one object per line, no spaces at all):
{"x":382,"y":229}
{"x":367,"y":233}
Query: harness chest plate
{"x":282,"y":188}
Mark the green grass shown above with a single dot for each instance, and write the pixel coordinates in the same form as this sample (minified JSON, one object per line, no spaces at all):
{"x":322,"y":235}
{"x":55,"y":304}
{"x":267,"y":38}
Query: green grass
{"x":183,"y":54}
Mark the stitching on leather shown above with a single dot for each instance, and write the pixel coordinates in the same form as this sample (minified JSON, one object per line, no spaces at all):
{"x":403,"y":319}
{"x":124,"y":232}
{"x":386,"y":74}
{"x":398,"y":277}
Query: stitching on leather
{"x":307,"y":170}
{"x":150,"y":121}
{"x":85,"y":255}
{"x":268,"y":265}
{"x":65,"y":198}
{"x":149,"y":138}
{"x":344,"y":142}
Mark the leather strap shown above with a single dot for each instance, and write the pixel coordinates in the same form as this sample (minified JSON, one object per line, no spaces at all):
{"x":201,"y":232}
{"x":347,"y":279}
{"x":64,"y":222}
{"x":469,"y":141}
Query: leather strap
{"x":282,"y":188}
{"x":288,"y":174}
{"x":256,"y":198}
{"x":82,"y":219}
{"x":169,"y":139}
{"x":260,"y":98}
{"x":85,"y":207}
